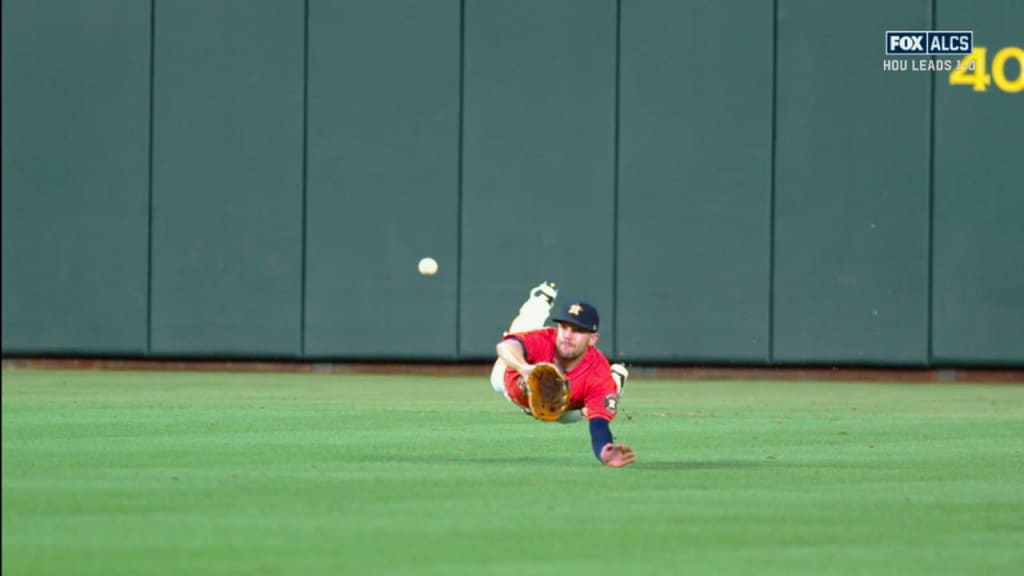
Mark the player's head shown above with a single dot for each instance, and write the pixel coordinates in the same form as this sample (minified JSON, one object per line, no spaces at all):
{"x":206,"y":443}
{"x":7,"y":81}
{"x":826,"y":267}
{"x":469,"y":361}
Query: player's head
{"x":578,"y":323}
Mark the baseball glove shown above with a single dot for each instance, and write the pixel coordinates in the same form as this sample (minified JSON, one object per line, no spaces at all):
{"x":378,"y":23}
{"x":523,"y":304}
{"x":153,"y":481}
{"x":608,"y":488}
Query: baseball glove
{"x":547,"y":392}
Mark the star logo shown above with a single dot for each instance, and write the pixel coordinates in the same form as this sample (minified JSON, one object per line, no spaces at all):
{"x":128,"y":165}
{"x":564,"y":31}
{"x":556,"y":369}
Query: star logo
{"x":575,"y":309}
{"x":611,"y":403}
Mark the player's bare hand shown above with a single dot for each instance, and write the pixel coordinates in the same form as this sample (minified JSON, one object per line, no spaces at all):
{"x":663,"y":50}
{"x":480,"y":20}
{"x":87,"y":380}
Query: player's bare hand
{"x":617,"y":455}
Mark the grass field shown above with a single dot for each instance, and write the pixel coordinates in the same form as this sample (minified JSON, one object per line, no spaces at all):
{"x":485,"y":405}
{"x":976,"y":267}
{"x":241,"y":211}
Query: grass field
{"x":210,"y":473}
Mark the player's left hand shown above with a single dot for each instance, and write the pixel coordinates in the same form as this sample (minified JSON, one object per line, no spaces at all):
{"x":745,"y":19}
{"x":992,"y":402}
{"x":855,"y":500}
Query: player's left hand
{"x":617,"y":455}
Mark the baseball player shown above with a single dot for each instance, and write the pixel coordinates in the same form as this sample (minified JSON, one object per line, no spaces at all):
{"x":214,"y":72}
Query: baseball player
{"x":557,"y":374}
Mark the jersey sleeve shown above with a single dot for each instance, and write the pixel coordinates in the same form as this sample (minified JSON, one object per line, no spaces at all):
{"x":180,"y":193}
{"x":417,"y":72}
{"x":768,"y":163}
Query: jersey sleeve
{"x":538,"y":345}
{"x":602,"y":399}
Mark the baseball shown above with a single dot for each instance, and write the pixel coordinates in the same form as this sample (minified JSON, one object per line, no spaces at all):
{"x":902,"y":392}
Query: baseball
{"x":428,"y":266}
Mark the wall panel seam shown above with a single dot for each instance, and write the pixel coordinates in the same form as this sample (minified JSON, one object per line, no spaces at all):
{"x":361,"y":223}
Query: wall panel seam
{"x":616,"y":134}
{"x":459,"y":179}
{"x":305,"y":178}
{"x":931,"y":202}
{"x":772,"y":182}
{"x":149,"y":184}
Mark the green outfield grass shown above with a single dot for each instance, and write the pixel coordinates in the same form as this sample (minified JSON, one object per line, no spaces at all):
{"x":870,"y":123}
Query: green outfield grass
{"x":186,"y":473}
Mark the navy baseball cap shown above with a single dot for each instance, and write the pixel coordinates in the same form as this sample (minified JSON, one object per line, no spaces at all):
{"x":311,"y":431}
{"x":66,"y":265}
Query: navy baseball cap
{"x":580,"y":314}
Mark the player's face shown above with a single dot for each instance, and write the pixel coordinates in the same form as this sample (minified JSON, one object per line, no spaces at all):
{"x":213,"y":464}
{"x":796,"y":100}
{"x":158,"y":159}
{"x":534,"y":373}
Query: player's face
{"x":572,"y":342}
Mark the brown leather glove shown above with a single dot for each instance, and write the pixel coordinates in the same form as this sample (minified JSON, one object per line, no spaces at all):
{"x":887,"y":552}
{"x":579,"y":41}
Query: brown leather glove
{"x":548,"y":392}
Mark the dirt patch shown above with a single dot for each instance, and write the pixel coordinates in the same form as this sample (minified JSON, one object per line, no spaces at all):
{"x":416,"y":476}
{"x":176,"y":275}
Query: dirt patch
{"x":649,"y":372}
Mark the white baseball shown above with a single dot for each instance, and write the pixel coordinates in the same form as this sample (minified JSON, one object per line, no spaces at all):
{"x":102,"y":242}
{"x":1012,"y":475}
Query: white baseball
{"x":428,"y":266}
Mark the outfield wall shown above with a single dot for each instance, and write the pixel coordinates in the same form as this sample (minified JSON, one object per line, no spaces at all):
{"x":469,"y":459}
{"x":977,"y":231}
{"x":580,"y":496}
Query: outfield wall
{"x":729,"y":182}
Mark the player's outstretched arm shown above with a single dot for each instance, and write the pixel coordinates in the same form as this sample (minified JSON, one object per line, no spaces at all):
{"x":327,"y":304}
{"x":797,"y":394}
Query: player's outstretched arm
{"x":617,"y":455}
{"x":606,"y":451}
{"x":511,"y":352}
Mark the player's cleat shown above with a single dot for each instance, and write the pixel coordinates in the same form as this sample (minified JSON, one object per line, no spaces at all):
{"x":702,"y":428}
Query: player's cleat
{"x":620,"y":374}
{"x":546,"y":290}
{"x":535,"y":311}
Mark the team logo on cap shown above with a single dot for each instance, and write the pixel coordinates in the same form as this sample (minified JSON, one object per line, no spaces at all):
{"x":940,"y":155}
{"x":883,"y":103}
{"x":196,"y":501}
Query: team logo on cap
{"x":575,"y":309}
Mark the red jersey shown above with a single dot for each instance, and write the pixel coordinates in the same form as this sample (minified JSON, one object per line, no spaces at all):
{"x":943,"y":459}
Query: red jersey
{"x":590,"y":382}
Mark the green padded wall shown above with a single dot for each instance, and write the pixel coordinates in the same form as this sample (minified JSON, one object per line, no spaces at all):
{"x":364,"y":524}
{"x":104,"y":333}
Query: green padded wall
{"x":851,"y":188}
{"x":383,"y":186}
{"x":538,"y":161}
{"x":75,"y":176}
{"x":227,"y":178}
{"x":978,"y":283}
{"x":243,"y":178}
{"x":694,"y":181}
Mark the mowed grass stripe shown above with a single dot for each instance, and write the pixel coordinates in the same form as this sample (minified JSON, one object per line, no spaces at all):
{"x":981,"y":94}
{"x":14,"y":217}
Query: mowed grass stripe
{"x":202,"y":473}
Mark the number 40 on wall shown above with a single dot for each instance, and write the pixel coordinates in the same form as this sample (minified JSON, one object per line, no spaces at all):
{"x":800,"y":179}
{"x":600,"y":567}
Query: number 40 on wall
{"x":974,"y":72}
